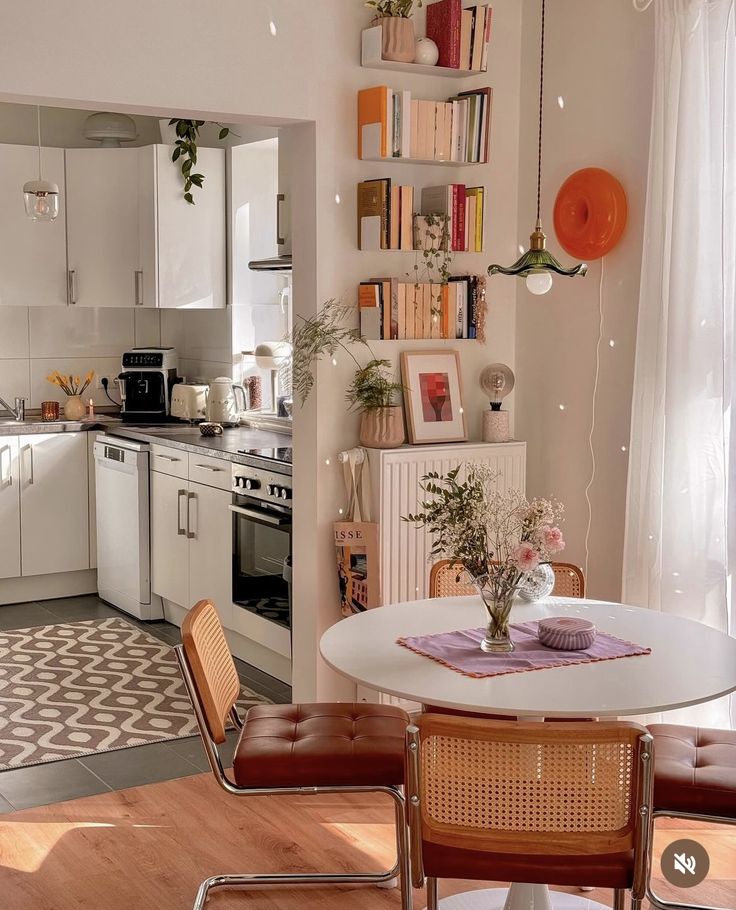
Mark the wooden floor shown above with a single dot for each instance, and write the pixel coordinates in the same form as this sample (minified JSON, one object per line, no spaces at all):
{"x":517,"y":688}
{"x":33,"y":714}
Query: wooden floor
{"x":149,"y":847}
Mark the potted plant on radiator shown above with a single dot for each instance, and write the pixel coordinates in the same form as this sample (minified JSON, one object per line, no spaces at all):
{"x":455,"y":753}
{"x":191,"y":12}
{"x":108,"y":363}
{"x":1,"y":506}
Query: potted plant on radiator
{"x":394,"y":17}
{"x":372,"y":391}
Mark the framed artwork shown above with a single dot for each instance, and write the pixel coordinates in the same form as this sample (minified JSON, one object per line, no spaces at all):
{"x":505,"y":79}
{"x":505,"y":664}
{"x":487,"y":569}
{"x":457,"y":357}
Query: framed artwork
{"x":433,"y":394}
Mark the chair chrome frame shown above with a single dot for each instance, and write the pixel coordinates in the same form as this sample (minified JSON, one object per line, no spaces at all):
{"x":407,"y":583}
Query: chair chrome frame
{"x":659,"y":902}
{"x":400,"y":868}
{"x":644,"y":836}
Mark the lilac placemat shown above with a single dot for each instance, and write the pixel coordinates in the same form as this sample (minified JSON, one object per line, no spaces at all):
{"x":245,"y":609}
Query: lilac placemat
{"x":460,"y":651}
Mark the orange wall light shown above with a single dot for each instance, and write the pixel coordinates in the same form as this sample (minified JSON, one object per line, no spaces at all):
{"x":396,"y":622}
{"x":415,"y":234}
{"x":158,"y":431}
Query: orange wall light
{"x":590,"y":213}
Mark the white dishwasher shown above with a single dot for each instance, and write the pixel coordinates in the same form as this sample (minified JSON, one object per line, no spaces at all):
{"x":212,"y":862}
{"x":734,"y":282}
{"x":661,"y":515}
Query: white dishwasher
{"x":124,"y":527}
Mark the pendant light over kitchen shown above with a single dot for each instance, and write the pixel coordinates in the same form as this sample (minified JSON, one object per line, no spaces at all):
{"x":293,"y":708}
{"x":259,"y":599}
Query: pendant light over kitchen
{"x":41,"y":197}
{"x":537,"y":264}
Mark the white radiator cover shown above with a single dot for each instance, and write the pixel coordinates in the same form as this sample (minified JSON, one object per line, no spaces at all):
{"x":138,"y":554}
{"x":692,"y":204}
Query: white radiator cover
{"x":395,"y":476}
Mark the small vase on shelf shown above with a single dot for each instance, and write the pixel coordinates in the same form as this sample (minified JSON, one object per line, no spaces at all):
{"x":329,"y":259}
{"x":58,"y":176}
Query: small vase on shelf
{"x":398,"y":38}
{"x":74,"y":408}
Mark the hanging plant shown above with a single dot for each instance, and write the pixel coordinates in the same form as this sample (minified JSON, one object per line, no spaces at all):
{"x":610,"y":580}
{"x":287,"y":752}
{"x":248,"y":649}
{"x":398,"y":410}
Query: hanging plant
{"x":434,"y":256}
{"x":185,"y":150}
{"x":393,"y":9}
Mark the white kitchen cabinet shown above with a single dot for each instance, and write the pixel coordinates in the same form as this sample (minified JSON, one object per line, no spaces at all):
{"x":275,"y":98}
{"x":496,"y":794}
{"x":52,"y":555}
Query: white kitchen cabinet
{"x":9,"y":508}
{"x":110,"y":254}
{"x":210,"y":551}
{"x":133,"y":240}
{"x":54,"y":500}
{"x":32,"y":253}
{"x":169,"y":543}
{"x":191,"y":238}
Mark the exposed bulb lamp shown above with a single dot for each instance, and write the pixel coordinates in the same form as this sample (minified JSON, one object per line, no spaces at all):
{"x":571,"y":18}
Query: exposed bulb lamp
{"x":41,"y":197}
{"x":537,"y":264}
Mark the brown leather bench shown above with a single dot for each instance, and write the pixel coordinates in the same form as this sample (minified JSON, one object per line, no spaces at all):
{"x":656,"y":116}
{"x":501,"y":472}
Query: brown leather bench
{"x":694,"y":778}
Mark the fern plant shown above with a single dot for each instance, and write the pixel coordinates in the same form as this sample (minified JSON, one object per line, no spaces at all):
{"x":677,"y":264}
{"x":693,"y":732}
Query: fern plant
{"x":373,"y":387}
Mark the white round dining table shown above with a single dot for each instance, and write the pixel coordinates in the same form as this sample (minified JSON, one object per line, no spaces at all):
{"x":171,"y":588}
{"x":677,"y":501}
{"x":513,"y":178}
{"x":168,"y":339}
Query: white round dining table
{"x":689,"y":664}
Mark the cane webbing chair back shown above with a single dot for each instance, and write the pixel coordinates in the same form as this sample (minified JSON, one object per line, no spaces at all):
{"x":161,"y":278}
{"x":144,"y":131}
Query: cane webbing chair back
{"x":449,"y":579}
{"x":211,"y":665}
{"x":532,"y":788}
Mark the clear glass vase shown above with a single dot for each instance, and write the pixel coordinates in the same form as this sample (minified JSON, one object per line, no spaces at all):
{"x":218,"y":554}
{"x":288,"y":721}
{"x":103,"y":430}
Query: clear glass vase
{"x":497,"y":639}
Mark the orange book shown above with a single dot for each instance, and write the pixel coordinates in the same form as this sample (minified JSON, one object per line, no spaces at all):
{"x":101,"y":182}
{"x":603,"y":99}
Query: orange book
{"x":373,"y":131}
{"x":445,"y":313}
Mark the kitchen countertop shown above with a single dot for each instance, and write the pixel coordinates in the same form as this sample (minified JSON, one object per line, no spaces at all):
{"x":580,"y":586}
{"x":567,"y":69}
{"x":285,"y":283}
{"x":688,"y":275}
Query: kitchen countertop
{"x":177,"y":435}
{"x":227,"y":446}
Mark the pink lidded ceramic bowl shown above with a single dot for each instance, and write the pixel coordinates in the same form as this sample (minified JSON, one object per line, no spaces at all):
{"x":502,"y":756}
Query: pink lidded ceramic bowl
{"x":566,"y":633}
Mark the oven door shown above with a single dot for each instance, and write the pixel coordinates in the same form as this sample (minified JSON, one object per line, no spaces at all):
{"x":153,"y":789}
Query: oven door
{"x":262,"y":559}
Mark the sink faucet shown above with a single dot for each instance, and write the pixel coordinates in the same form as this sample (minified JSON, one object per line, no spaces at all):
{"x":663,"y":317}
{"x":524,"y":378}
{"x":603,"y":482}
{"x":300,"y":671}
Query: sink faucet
{"x":19,"y":411}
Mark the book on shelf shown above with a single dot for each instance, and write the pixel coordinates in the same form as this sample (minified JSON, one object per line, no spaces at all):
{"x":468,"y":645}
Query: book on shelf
{"x":450,"y":217}
{"x":395,"y":125}
{"x":398,"y":310}
{"x":385,"y":212}
{"x":461,"y":35}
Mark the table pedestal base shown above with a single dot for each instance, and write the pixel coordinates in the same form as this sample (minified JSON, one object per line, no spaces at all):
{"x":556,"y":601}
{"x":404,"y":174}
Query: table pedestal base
{"x":519,"y":897}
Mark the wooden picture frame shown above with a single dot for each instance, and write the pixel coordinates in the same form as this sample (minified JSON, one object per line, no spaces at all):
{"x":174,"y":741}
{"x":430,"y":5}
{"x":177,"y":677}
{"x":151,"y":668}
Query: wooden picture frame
{"x":433,"y":393}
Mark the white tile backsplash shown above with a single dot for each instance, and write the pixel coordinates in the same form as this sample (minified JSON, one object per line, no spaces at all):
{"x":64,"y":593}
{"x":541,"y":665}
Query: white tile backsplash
{"x":84,"y":332}
{"x":14,"y":380}
{"x":14,"y":333}
{"x":37,"y":340}
{"x":43,"y":390}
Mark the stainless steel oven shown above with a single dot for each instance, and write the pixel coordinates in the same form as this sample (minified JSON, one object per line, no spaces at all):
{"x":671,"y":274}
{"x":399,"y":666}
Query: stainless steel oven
{"x":261,"y":508}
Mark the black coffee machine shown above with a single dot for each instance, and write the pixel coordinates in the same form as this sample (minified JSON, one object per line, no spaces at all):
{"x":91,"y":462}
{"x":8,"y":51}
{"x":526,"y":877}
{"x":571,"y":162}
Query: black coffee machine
{"x":146,"y":381}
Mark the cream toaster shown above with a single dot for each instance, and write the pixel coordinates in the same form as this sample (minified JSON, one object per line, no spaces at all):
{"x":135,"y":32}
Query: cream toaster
{"x":189,"y":402}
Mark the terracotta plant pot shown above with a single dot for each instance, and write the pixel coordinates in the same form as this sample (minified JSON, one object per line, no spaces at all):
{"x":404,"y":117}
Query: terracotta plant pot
{"x":398,"y":38}
{"x":382,"y":428}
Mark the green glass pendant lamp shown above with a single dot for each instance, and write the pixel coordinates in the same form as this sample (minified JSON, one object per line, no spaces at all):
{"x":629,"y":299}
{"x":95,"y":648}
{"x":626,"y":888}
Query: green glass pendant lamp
{"x":537,"y":264}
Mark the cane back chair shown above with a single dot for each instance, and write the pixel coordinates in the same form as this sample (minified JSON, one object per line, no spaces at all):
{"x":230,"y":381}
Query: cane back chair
{"x":292,"y":749}
{"x":446,"y":580}
{"x":562,"y":804}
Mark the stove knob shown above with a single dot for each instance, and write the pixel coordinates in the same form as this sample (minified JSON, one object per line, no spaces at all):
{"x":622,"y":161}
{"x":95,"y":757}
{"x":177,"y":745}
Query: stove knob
{"x":239,"y":481}
{"x":285,"y":493}
{"x":251,"y":484}
{"x":272,"y":490}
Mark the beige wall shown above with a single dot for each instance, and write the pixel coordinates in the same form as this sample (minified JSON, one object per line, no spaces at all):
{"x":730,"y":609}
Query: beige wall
{"x":309,"y":71}
{"x":599,"y":60}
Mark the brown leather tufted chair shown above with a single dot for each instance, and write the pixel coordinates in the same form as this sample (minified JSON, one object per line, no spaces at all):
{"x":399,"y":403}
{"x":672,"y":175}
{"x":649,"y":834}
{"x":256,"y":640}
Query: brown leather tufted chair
{"x":292,"y":749}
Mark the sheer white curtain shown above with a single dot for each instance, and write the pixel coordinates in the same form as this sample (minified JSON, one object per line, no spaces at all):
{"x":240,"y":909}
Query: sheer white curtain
{"x":680,"y":548}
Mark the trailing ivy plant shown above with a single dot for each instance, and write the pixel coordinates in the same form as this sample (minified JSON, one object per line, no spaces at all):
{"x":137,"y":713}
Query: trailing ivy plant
{"x":433,"y":262}
{"x":393,"y":9}
{"x":185,"y":149}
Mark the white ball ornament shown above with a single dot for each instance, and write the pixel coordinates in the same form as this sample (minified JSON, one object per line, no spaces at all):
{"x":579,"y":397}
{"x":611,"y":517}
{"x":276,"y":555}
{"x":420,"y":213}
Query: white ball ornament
{"x":427,"y":52}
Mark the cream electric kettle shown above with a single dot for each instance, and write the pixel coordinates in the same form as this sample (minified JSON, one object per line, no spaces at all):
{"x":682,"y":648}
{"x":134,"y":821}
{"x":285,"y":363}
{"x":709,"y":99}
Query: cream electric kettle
{"x":222,"y":401}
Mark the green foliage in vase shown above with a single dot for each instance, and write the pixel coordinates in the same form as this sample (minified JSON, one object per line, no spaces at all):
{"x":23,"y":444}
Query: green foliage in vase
{"x":185,"y":148}
{"x":393,"y":9}
{"x":373,"y":386}
{"x":453,"y":517}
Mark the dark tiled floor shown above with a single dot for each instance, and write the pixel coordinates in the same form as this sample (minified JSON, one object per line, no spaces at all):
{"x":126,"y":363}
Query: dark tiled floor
{"x":23,"y":788}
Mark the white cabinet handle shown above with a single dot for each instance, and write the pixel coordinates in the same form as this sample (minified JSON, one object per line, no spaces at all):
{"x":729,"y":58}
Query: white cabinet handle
{"x":181,"y":531}
{"x":139,"y":287}
{"x":29,"y":449}
{"x":7,"y":479}
{"x":190,"y":534}
{"x":165,"y":457}
{"x":206,"y":467}
{"x":71,"y":286}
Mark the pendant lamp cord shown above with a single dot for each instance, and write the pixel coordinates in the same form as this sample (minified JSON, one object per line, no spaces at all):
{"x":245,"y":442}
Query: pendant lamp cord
{"x":38,"y":128}
{"x":541,"y":114}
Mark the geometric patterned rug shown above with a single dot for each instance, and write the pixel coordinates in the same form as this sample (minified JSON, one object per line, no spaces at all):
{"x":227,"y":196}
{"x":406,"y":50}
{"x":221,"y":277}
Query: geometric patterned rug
{"x":77,"y":688}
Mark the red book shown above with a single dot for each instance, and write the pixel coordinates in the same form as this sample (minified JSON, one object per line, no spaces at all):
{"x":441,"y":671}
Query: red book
{"x":443,"y":27}
{"x":458,"y":217}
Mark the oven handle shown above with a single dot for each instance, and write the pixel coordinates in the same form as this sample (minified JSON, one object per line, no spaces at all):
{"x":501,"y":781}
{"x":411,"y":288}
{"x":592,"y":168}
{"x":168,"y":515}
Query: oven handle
{"x":264,"y":517}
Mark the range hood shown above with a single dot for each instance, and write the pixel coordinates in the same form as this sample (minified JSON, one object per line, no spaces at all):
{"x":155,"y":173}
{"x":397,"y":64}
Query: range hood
{"x":275,"y":264}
